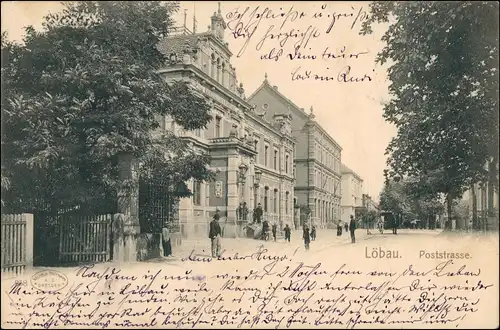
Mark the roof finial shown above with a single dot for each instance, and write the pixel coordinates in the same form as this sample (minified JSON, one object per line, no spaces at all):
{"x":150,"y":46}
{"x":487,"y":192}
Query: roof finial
{"x":311,"y":114}
{"x":218,"y":10}
{"x":185,"y":20}
{"x":194,"y":17}
{"x":265,"y":76}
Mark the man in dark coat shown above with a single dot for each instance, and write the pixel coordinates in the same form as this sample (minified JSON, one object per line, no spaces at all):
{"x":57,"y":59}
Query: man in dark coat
{"x":307,"y":238}
{"x":394,"y":224}
{"x":352,"y":228}
{"x":273,"y":229}
{"x":258,"y":213}
{"x":288,"y":233}
{"x":215,"y":235}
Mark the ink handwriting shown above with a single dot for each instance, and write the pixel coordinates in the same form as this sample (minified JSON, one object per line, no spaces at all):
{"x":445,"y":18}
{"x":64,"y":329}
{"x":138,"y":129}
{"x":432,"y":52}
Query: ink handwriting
{"x":306,"y":35}
{"x":273,"y":291}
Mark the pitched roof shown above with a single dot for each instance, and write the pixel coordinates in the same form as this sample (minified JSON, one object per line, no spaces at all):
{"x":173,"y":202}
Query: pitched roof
{"x":265,"y":84}
{"x":177,"y":44}
{"x":292,"y":105}
{"x":346,"y":170}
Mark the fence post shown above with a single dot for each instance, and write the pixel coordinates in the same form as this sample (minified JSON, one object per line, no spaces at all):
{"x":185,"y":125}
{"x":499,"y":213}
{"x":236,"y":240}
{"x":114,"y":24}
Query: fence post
{"x":28,"y":217}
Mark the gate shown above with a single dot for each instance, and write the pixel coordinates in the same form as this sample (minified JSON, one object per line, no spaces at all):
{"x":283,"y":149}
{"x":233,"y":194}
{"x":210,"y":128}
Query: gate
{"x":85,"y":238}
{"x":158,"y":206}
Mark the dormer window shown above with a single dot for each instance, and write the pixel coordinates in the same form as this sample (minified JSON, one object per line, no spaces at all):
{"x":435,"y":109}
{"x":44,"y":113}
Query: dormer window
{"x":173,"y":58}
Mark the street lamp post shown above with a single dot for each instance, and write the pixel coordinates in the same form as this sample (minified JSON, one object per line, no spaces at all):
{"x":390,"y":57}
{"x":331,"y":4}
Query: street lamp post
{"x":242,"y":170}
{"x":256,"y":183}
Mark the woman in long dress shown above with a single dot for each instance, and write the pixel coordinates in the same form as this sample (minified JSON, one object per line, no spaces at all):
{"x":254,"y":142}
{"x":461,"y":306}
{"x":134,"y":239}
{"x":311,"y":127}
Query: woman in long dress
{"x":167,"y":246}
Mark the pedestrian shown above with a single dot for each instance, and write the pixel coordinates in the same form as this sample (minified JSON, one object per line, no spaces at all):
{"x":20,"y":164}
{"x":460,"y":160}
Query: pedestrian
{"x":346,"y":227}
{"x":339,"y":229}
{"x":288,"y":233}
{"x":215,"y":235}
{"x":274,"y":227}
{"x":313,"y":233}
{"x":380,"y":225}
{"x":307,"y":237}
{"x":258,"y":214}
{"x":167,"y":245}
{"x":352,"y":228}
{"x":394,"y":224}
{"x":265,"y":230}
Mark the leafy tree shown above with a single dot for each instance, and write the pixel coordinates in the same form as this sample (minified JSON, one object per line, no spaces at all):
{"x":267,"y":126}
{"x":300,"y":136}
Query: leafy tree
{"x":393,"y":198}
{"x":443,"y":70}
{"x":461,"y":211}
{"x":85,"y":90}
{"x":426,"y":202}
{"x":412,"y":196}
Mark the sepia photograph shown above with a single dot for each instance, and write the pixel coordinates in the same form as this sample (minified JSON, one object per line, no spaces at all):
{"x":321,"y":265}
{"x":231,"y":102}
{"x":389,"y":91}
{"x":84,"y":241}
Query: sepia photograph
{"x":250,"y":164}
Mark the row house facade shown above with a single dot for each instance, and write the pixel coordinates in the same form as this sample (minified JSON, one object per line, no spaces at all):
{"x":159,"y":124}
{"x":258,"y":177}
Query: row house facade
{"x":352,"y":193}
{"x":251,"y":155}
{"x":317,"y":160}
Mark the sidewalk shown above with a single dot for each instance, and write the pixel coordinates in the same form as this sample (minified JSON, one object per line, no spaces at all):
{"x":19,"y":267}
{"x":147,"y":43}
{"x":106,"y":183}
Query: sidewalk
{"x":326,"y":238}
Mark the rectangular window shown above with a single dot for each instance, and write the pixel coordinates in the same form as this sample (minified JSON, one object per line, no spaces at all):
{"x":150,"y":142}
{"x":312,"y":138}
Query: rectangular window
{"x":196,"y":192}
{"x":266,"y":198}
{"x":276,"y":200}
{"x":217,"y":127}
{"x":275,"y":159}
{"x":266,"y":155}
{"x":286,"y":164}
{"x":287,"y":196}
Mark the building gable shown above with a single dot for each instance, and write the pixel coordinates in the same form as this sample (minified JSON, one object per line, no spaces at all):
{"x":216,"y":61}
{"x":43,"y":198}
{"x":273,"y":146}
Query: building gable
{"x":269,"y":101}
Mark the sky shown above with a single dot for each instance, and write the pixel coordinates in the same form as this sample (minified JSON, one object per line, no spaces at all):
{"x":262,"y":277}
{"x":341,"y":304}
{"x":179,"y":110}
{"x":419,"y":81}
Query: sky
{"x":326,"y":34}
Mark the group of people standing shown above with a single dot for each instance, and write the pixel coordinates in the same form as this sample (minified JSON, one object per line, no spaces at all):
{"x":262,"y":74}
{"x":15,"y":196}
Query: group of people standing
{"x":215,"y":234}
{"x":351,"y":227}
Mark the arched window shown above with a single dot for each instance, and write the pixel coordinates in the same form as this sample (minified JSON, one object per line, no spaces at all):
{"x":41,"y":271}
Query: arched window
{"x":223,"y":70}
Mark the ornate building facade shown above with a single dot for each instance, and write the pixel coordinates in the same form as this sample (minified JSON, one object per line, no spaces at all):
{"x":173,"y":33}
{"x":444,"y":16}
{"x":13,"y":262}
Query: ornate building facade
{"x":317,"y":158}
{"x":352,"y":193}
{"x":251,"y":154}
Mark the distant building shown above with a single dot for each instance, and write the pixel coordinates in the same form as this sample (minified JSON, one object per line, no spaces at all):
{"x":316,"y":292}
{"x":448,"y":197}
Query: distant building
{"x":253,"y":154}
{"x":352,"y":193}
{"x":316,"y":160}
{"x":368,"y":203}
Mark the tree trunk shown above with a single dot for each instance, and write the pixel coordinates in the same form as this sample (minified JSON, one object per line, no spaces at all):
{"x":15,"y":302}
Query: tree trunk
{"x":491,"y":186}
{"x":448,"y":222}
{"x":475,"y":222}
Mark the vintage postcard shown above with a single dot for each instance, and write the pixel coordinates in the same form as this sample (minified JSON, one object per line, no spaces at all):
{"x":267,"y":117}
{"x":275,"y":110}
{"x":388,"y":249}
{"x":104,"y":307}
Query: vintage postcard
{"x":247,"y":164}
